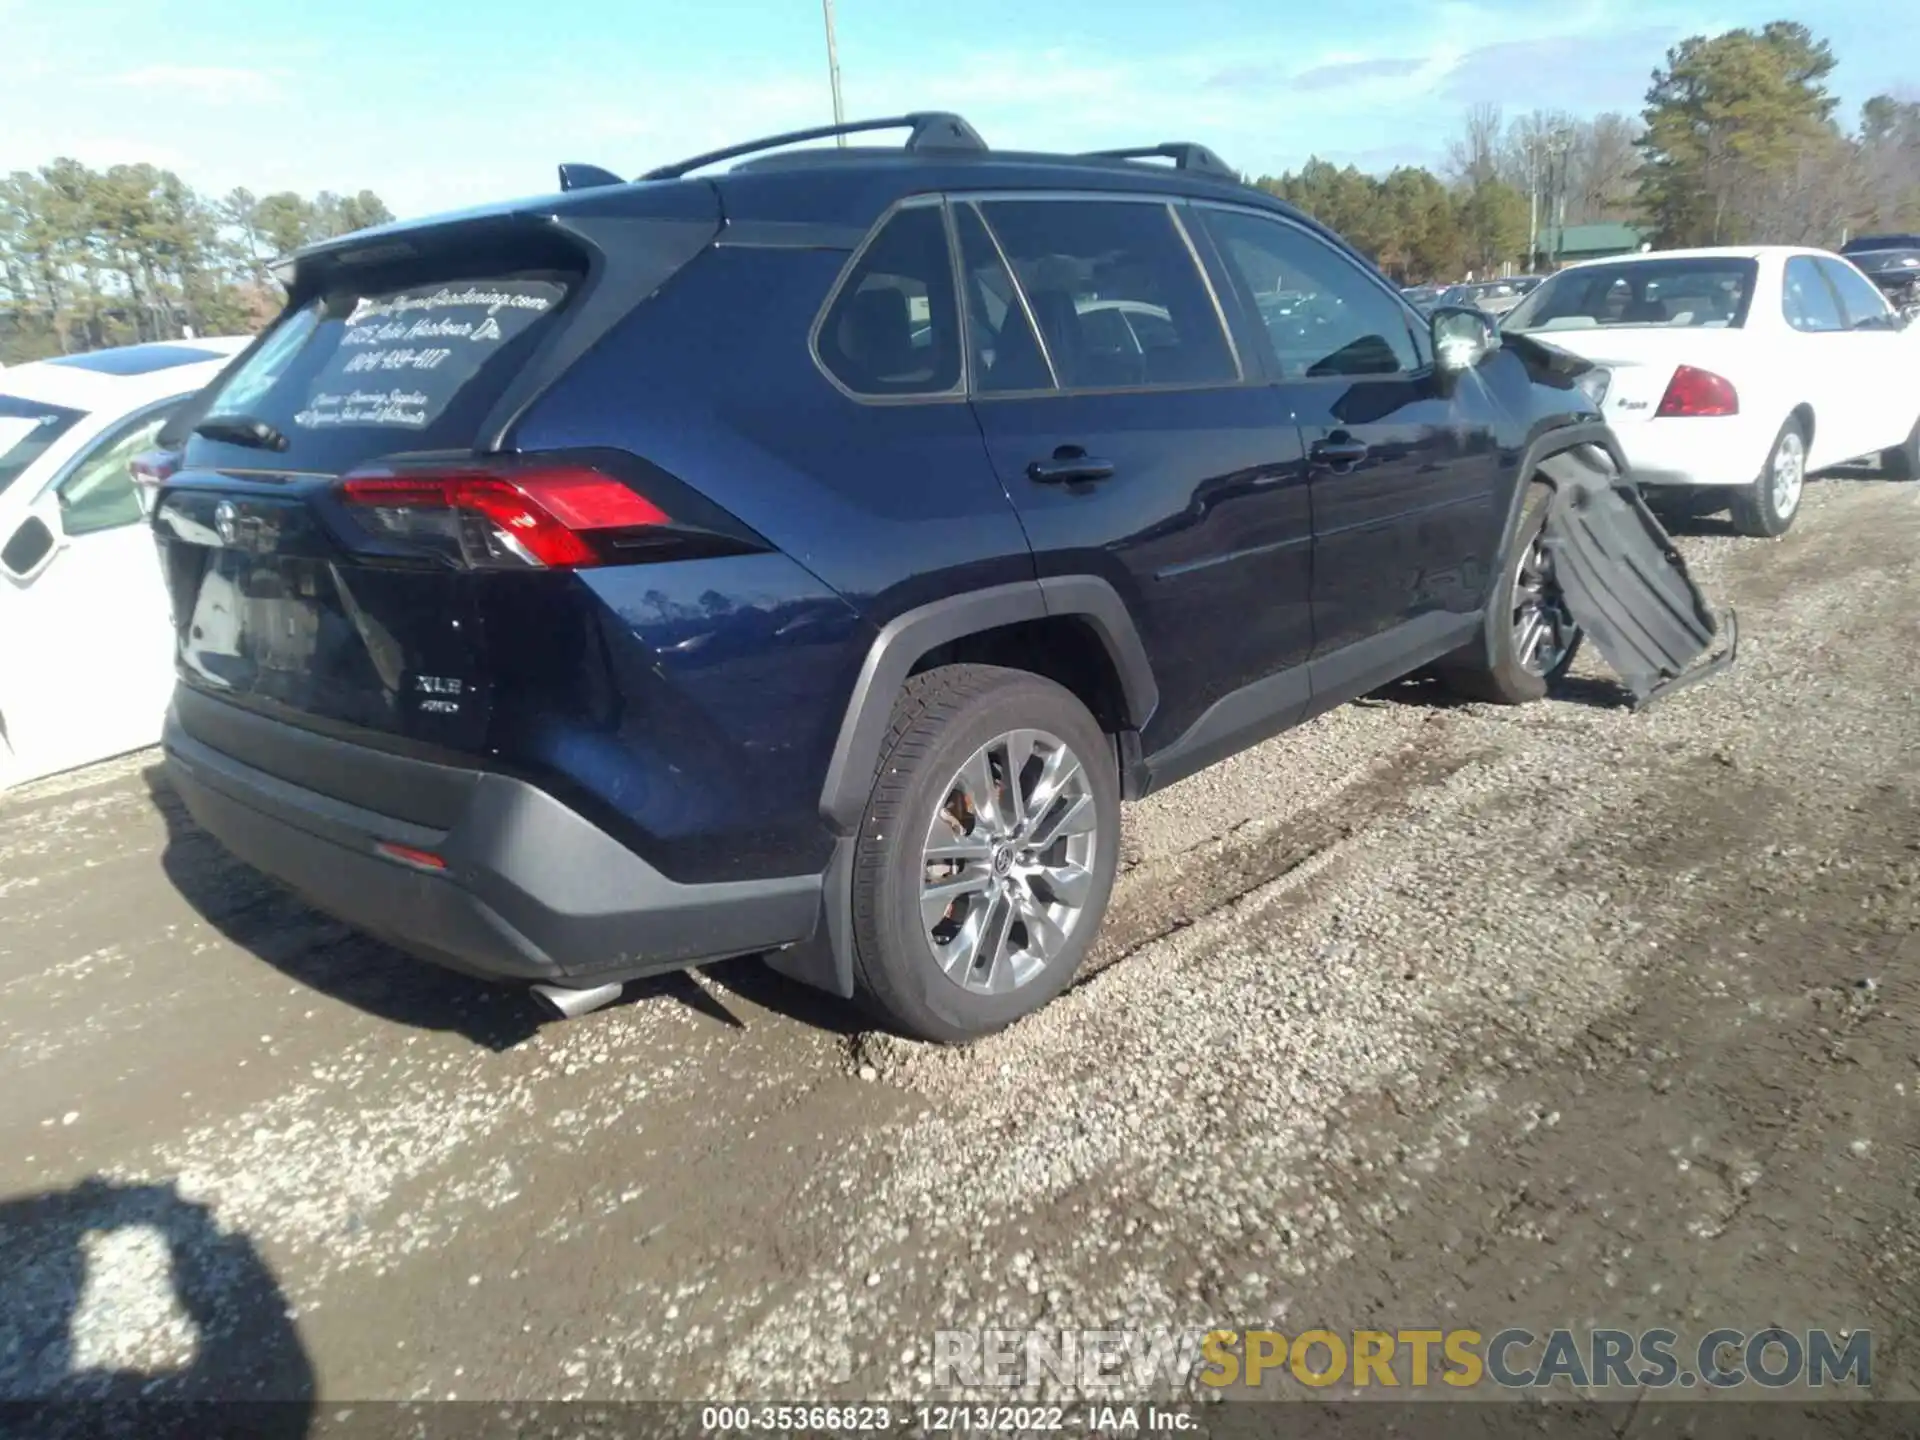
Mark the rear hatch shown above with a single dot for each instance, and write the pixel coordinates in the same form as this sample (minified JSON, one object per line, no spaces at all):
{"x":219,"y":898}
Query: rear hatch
{"x":349,"y":542}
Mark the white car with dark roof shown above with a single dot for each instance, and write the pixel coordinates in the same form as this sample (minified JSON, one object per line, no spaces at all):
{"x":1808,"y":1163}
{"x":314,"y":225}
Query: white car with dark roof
{"x":1737,"y":372}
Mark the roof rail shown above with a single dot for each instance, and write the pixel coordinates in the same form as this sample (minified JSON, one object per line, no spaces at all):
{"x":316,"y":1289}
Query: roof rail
{"x":931,"y":130}
{"x":1185,"y":154}
{"x":586,"y":177}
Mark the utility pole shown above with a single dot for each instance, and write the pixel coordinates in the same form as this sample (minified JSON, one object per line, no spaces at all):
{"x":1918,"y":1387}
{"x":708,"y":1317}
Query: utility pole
{"x":1563,"y":145}
{"x":833,"y":71}
{"x":1533,"y":196}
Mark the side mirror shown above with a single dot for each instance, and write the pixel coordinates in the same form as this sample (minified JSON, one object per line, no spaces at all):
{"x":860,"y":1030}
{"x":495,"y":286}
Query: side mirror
{"x":1462,"y":338}
{"x":32,"y":545}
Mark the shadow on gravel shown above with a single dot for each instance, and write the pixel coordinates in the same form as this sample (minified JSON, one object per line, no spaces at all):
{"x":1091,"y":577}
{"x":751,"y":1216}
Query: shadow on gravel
{"x":1865,"y":470}
{"x":126,"y":1310}
{"x":751,"y":980}
{"x":1431,"y":693}
{"x":1679,"y":518}
{"x":1697,"y":526}
{"x":274,"y":924}
{"x":1596,"y":692}
{"x":1428,"y":692}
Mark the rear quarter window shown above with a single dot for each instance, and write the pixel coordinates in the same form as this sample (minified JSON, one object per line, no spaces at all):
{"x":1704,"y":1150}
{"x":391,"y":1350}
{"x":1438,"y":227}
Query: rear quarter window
{"x":893,"y":328}
{"x":351,"y":376}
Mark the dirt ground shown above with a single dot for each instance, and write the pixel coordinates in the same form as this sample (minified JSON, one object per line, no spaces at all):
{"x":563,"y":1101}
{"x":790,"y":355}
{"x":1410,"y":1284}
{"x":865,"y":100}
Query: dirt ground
{"x":1424,"y":1014}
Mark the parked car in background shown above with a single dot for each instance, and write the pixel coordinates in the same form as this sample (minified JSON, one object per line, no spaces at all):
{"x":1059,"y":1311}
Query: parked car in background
{"x":1732,"y":373}
{"x":1492,"y":297}
{"x":1896,"y":270}
{"x":1860,"y":244}
{"x":1423,"y":297}
{"x":612,"y":638}
{"x":86,"y":655}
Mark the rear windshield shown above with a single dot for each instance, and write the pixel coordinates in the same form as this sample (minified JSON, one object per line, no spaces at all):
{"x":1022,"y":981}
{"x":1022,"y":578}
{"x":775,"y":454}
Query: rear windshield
{"x":1888,"y":262}
{"x":351,"y":376}
{"x":27,"y":428}
{"x":1684,"y":294}
{"x":1866,"y":244}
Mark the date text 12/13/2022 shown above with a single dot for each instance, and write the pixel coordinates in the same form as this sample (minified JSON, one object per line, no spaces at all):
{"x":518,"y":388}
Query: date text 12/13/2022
{"x":957,"y":1419}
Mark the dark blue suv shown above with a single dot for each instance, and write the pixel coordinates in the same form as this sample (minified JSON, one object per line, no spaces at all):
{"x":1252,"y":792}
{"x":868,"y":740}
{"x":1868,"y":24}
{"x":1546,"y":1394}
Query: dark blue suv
{"x":807,"y":559}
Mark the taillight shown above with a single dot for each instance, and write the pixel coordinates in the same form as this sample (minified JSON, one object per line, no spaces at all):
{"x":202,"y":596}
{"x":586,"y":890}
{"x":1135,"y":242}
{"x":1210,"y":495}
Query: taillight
{"x":559,"y":516}
{"x":1698,"y":392}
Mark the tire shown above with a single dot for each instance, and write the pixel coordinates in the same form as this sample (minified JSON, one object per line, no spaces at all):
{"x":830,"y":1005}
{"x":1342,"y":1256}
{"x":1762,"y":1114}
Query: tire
{"x":1513,"y":678}
{"x":966,"y":717}
{"x":1766,"y":508}
{"x":1902,"y":462}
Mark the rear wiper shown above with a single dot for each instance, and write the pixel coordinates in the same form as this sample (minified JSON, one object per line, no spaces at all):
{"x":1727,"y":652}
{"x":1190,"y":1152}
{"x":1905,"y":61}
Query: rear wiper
{"x":241,"y":430}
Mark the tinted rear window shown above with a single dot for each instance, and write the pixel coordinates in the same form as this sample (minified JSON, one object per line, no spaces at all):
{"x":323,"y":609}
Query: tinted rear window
{"x":351,"y":376}
{"x":27,"y":428}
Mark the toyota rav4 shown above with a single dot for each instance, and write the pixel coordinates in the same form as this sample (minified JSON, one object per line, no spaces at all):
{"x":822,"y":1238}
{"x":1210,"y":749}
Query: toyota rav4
{"x":808,"y":558}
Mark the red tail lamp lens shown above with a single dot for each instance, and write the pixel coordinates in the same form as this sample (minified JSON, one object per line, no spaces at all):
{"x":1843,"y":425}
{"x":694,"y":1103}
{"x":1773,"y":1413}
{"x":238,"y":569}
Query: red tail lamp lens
{"x":545,"y":514}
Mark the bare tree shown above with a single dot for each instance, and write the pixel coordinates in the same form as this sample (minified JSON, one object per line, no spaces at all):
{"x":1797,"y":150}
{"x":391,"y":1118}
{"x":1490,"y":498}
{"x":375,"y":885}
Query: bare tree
{"x":1809,"y":201}
{"x":1473,"y":159}
{"x":1605,"y":159}
{"x":1536,"y":159}
{"x":1889,"y":150}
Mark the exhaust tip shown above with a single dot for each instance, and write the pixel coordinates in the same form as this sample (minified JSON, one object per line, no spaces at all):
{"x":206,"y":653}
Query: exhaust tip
{"x":568,"y":1003}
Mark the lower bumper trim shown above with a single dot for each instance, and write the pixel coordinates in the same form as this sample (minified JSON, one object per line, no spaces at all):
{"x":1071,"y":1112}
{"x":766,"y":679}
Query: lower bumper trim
{"x":531,"y":890}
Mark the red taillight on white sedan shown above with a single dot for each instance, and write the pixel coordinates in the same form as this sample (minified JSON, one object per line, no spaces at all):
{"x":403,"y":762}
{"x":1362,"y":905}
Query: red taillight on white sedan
{"x":1694,"y":392}
{"x":558,"y":516}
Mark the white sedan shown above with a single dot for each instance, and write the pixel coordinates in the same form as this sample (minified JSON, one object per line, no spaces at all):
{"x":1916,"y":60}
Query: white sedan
{"x":86,"y":647}
{"x":1735,"y":372}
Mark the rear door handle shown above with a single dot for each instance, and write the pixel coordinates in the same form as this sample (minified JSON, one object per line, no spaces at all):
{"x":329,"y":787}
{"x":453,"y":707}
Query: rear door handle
{"x":1069,"y":465}
{"x":1338,"y":452}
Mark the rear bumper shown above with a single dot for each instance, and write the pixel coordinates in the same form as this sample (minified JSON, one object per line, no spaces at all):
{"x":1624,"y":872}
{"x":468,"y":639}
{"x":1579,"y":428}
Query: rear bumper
{"x":1695,"y":450}
{"x":531,"y":890}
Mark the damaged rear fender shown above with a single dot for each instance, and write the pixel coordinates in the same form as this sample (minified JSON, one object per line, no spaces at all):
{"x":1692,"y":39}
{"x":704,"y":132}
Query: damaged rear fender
{"x":1625,"y":581}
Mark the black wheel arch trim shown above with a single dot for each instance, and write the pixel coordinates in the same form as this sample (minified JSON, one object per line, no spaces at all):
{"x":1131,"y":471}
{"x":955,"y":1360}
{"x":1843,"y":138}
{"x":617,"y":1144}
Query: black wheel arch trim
{"x":905,"y":639}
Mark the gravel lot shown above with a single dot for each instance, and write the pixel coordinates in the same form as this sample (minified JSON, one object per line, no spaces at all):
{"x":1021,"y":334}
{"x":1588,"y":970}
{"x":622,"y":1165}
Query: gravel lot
{"x":1423,"y":1014}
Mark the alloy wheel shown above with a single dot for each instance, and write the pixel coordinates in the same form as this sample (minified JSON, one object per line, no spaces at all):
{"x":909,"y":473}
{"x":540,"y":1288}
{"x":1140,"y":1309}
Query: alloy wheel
{"x":1789,"y":473}
{"x":1008,"y":862}
{"x":1544,"y":630}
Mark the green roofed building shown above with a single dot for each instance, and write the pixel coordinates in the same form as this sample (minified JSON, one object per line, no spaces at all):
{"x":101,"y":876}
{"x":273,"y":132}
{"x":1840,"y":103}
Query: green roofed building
{"x":1591,"y":242}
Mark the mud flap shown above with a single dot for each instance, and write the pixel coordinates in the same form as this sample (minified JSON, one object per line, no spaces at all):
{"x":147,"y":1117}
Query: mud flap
{"x":1626,"y":583}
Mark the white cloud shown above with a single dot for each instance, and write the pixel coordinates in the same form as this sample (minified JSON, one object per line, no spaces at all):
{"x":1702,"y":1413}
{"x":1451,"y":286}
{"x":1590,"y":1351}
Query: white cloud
{"x":1264,"y":100}
{"x":213,"y":84}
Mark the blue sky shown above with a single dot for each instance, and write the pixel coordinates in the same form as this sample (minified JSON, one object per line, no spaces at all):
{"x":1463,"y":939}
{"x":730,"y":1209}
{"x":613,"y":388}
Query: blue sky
{"x":442,"y":104}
